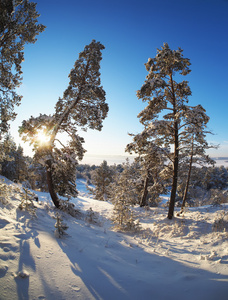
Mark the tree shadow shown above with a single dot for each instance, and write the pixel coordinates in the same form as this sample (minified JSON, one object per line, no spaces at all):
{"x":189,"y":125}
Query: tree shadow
{"x":112,"y":269}
{"x":26,"y":259}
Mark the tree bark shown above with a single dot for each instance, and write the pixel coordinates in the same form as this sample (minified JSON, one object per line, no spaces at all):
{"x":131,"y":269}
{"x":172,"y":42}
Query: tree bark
{"x":175,"y":176}
{"x":145,"y":192}
{"x":52,"y":192}
{"x":188,"y":180}
{"x":176,"y":154}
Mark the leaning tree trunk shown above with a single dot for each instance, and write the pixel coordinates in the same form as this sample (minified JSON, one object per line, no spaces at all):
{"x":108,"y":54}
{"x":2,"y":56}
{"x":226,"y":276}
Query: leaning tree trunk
{"x":145,"y":192}
{"x":63,"y":117}
{"x":51,"y":189}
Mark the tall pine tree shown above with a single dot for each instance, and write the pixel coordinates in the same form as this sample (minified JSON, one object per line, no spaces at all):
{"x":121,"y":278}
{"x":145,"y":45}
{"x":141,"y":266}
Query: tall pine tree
{"x":164,"y":118}
{"x":82,"y":105}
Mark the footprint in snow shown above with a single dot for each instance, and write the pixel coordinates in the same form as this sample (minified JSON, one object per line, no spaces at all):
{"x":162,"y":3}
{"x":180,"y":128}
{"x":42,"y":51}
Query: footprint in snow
{"x":3,"y":270}
{"x":75,"y":288}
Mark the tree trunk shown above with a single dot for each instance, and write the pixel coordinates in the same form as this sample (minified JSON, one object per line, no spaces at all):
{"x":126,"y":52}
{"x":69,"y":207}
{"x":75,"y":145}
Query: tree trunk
{"x":176,"y":154}
{"x":174,"y":183}
{"x":188,"y":180}
{"x":145,"y":192}
{"x":52,"y":192}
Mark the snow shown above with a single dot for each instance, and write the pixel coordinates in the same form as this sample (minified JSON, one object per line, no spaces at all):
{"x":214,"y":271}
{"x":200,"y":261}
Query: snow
{"x":183,"y":258}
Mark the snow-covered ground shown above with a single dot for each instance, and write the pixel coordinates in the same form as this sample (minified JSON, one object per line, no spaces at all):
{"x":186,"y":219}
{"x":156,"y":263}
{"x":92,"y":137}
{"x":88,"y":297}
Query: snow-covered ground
{"x":184,"y":258}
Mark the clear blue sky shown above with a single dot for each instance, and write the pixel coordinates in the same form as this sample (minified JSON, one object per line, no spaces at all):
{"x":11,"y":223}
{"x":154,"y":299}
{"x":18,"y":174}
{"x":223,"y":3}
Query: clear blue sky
{"x":131,"y":31}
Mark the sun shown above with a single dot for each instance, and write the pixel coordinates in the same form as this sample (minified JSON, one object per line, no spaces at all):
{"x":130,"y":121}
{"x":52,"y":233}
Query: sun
{"x":42,"y":137}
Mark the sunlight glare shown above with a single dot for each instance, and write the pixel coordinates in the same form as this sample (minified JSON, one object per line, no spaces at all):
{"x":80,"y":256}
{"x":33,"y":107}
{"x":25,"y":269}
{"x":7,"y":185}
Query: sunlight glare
{"x":42,"y":137}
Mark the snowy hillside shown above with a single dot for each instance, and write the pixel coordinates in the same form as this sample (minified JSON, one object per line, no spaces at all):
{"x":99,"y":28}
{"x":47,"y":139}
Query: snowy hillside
{"x":184,"y":258}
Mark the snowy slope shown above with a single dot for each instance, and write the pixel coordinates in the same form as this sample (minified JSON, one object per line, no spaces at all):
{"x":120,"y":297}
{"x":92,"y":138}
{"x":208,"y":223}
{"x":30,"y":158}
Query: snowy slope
{"x":181,"y":258}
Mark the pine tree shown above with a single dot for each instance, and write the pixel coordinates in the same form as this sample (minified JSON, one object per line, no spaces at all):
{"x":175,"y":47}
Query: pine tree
{"x":194,"y":144}
{"x":167,"y":118}
{"x":13,"y":164}
{"x":21,"y":165}
{"x":18,"y":26}
{"x":60,"y":226}
{"x":152,"y":162}
{"x":166,"y":115}
{"x":7,"y":147}
{"x":123,"y":217}
{"x":101,"y":179}
{"x":214,"y":178}
{"x":127,"y":185}
{"x":83,"y":105}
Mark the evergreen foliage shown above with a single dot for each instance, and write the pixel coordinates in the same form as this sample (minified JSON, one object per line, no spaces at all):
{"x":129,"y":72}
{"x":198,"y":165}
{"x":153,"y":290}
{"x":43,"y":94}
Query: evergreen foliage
{"x":18,"y":26}
{"x":194,"y":145}
{"x":167,"y":118}
{"x":92,"y":217}
{"x":27,"y":198}
{"x":101,"y":179}
{"x":127,"y":184}
{"x":123,"y":216}
{"x":82,"y":105}
{"x":60,"y":226}
{"x":14,"y":164}
{"x":4,"y":192}
{"x":37,"y":176}
{"x":152,"y":169}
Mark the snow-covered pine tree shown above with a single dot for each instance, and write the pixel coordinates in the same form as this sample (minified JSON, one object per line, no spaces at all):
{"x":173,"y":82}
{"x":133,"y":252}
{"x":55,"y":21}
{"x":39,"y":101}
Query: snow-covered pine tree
{"x":214,"y":178}
{"x":13,"y":164}
{"x":7,"y":147}
{"x":165,"y":116}
{"x":101,"y":179}
{"x":18,"y":26}
{"x":127,"y":185}
{"x":193,"y":144}
{"x":123,"y":217}
{"x":60,"y":226}
{"x":27,"y":198}
{"x":153,"y":169}
{"x":82,"y":105}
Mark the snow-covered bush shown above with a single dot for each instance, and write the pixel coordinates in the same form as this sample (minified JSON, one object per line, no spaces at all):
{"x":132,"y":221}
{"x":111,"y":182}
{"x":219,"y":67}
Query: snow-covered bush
{"x":127,"y":184}
{"x":123,"y":217}
{"x":4,"y":189}
{"x":92,"y":217}
{"x":219,"y":196}
{"x":27,"y":198}
{"x":69,"y":208}
{"x":60,"y":226}
{"x":221,"y":222}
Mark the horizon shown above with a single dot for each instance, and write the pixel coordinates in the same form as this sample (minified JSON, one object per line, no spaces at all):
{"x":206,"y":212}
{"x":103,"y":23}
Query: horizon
{"x":119,"y":159}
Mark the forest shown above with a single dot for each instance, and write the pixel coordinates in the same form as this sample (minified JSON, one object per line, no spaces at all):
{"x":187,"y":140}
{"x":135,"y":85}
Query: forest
{"x":123,"y":184}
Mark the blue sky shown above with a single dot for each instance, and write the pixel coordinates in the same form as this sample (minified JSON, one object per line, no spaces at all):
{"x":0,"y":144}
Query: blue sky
{"x":131,"y":31}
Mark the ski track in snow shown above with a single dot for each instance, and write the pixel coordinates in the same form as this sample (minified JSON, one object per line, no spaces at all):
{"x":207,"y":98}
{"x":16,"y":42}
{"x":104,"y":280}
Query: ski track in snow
{"x":181,"y":258}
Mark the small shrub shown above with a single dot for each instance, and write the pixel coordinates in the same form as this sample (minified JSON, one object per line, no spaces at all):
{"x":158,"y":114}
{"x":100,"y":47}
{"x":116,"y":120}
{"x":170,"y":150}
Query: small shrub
{"x":221,"y":223}
{"x":4,"y":189}
{"x":69,"y":208}
{"x":92,"y":217}
{"x":60,"y":226}
{"x":123,"y":217}
{"x":27,"y":198}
